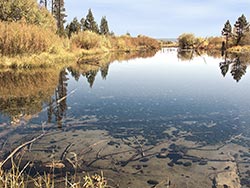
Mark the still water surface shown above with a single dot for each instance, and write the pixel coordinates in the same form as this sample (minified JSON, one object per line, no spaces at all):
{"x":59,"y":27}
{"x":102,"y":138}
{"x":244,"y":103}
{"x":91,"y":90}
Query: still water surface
{"x":168,"y":120}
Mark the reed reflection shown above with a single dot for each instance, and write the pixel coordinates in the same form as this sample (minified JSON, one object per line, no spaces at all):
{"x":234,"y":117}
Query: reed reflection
{"x":23,"y":93}
{"x":89,"y":67}
{"x":26,"y":93}
{"x":188,"y":55}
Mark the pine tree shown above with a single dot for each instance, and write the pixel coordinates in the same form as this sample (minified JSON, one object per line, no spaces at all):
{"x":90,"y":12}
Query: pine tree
{"x":59,"y":14}
{"x":227,"y":31}
{"x":52,"y":6}
{"x":104,"y":28}
{"x":241,"y":26}
{"x":73,"y":27}
{"x":82,"y":22}
{"x":90,"y":23}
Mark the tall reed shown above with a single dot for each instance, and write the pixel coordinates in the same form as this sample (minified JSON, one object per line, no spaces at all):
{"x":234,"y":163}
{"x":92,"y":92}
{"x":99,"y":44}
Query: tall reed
{"x":17,"y":38}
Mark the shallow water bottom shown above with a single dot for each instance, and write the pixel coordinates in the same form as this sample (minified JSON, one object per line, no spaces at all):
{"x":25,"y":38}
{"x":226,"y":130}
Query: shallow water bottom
{"x":128,"y":162}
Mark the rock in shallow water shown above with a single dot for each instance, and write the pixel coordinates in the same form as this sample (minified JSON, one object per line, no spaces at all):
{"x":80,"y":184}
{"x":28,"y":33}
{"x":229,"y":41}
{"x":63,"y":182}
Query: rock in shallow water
{"x":171,"y":164}
{"x":152,"y":182}
{"x":203,"y":163}
{"x":144,"y":160}
{"x":186,"y":164}
{"x":162,"y":155}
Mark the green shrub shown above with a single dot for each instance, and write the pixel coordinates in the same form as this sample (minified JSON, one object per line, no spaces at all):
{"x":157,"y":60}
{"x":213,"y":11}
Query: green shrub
{"x":187,"y":41}
{"x":28,"y":10}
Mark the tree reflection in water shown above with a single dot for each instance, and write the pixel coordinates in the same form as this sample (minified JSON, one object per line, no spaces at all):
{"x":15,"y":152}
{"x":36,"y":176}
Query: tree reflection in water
{"x":237,"y":63}
{"x":23,"y":93}
{"x":60,"y":100}
{"x":26,"y":93}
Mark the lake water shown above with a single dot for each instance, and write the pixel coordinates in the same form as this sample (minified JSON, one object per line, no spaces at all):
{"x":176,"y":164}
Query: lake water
{"x":170,"y":119}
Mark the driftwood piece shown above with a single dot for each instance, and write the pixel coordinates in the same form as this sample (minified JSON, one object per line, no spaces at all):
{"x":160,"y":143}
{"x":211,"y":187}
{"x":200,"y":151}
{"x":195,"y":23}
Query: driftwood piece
{"x":20,"y":147}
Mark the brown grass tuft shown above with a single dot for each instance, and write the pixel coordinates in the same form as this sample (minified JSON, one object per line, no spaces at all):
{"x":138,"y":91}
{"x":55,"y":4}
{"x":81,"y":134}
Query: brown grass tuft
{"x":21,"y":38}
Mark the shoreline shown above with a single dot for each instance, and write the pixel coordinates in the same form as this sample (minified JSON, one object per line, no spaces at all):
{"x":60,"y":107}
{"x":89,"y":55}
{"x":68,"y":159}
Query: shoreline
{"x":67,"y":58}
{"x":46,"y":60}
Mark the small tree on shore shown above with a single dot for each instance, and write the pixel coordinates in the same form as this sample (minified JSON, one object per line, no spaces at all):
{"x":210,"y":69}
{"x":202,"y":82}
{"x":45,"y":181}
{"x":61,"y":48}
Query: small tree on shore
{"x":227,"y":31}
{"x":104,"y":28}
{"x":90,"y":23}
{"x":241,"y":26}
{"x":73,"y":27}
{"x":82,"y":22}
{"x":186,"y":41}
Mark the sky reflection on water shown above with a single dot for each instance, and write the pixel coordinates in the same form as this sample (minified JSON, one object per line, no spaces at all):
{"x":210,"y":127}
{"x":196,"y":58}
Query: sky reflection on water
{"x":186,"y":114}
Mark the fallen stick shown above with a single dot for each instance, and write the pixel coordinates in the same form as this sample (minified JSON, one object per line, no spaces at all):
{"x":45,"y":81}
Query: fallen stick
{"x":64,"y":153}
{"x":20,"y":147}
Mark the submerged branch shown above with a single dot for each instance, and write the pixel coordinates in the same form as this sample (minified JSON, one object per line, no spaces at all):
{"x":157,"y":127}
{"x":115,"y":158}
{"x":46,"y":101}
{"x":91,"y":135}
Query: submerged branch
{"x":20,"y":147}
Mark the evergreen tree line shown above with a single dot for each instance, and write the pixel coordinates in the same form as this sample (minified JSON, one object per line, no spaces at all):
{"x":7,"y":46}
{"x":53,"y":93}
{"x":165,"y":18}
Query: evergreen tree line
{"x":236,"y":35}
{"x":88,"y":24}
{"x":58,"y":11}
{"x":21,"y":9}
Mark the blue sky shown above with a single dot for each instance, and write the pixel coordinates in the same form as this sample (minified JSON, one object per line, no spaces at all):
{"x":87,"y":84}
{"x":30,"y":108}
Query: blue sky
{"x":162,"y":18}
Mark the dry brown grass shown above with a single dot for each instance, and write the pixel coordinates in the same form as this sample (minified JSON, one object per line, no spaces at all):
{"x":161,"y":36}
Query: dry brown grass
{"x":95,"y":43}
{"x":24,"y":45}
{"x":21,"y":38}
{"x":17,"y":178}
{"x":86,"y":40}
{"x":214,"y":43}
{"x":239,"y":49}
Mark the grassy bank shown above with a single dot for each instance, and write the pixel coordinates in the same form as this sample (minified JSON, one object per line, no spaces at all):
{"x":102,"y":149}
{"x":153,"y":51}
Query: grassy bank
{"x":24,"y":45}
